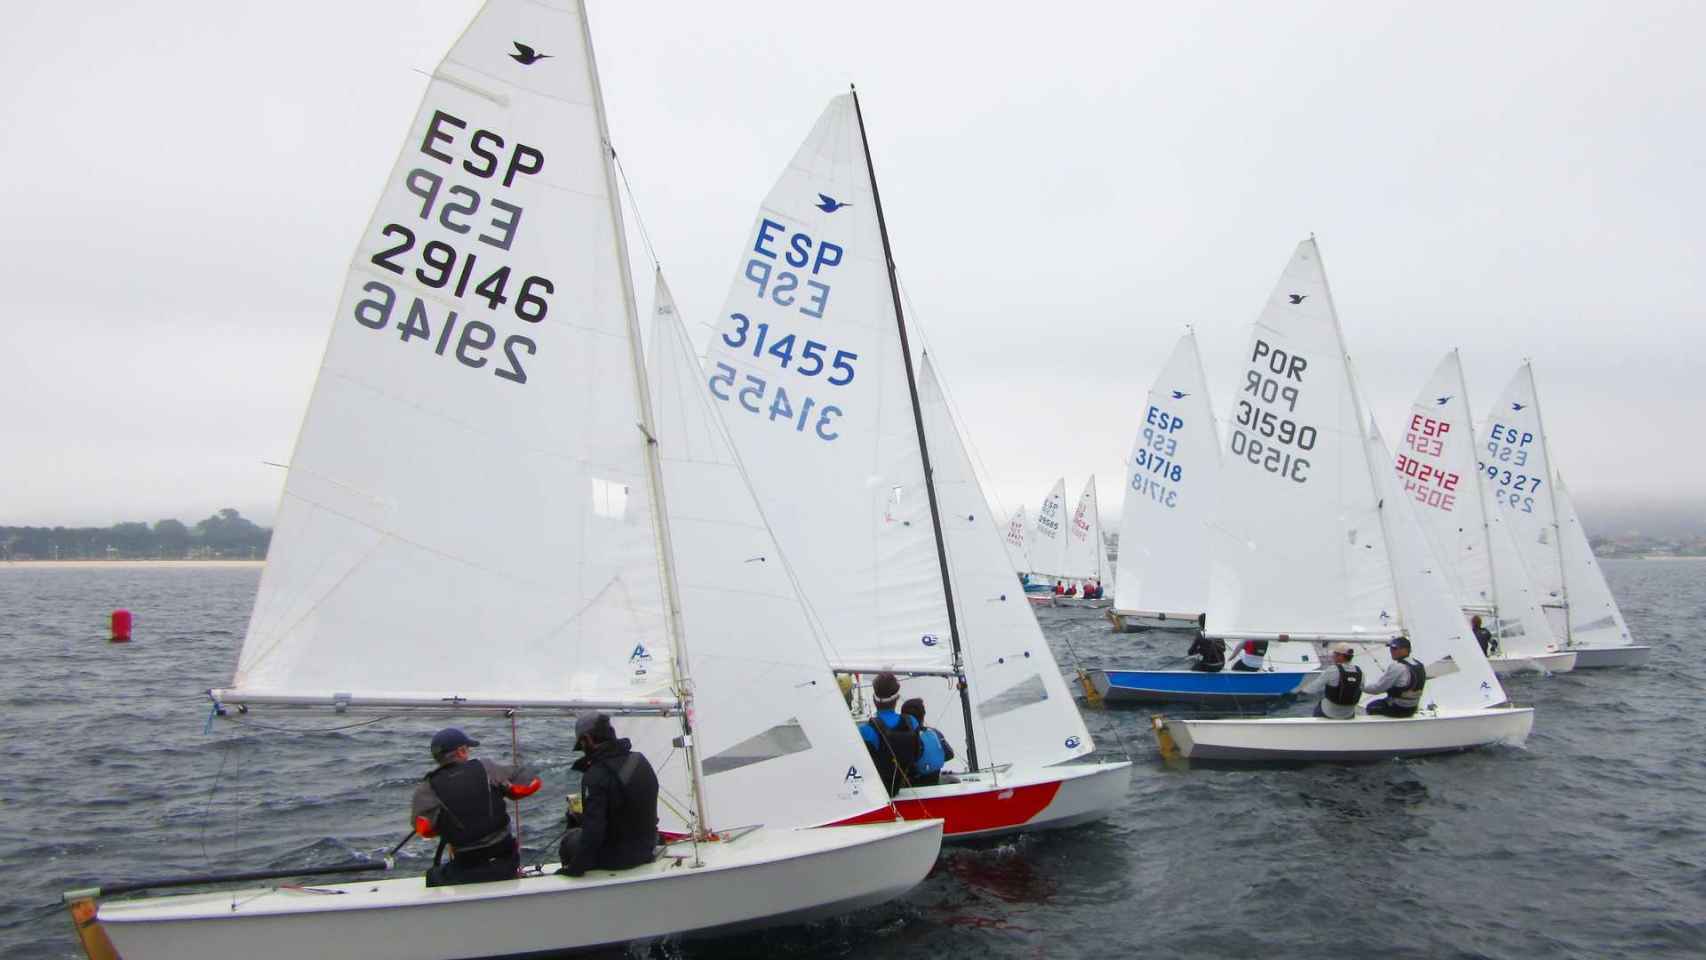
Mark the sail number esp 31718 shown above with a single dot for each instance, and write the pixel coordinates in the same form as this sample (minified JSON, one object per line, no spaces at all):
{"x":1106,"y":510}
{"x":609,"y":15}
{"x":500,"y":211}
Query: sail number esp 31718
{"x":452,"y":246}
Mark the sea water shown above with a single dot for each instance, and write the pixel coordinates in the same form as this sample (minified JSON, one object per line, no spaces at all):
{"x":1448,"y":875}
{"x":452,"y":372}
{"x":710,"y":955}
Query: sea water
{"x":1589,"y":842}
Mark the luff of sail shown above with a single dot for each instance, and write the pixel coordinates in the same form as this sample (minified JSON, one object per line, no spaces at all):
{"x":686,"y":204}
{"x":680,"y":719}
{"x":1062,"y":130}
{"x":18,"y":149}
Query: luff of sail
{"x":466,"y":515}
{"x":769,"y":717}
{"x":1171,"y":477}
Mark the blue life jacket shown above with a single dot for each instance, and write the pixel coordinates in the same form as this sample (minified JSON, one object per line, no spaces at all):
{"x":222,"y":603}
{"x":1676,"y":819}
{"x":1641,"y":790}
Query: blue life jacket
{"x":894,"y":749}
{"x":931,"y":754}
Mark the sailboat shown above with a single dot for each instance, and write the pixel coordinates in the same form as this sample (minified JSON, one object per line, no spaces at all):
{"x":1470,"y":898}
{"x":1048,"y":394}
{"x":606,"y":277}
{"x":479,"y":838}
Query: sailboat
{"x":1479,"y":558}
{"x":866,"y":482}
{"x":1314,"y":543}
{"x":1529,"y":493}
{"x":1047,"y":547}
{"x":1037,"y":591}
{"x":1086,"y":551}
{"x":1162,"y":580}
{"x":480,"y":524}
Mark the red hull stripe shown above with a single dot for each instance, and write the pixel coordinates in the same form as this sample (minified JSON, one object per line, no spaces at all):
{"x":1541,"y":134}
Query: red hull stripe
{"x":998,"y":809}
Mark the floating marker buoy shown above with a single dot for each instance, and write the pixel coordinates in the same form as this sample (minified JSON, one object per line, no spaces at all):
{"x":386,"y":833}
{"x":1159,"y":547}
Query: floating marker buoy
{"x":121,"y":626}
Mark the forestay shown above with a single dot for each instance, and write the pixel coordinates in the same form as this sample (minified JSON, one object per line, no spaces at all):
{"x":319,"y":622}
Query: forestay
{"x":1024,"y":711}
{"x":466,"y":513}
{"x":808,"y":372}
{"x":1517,"y":465}
{"x":769,"y":720}
{"x":1170,"y":486}
{"x":1297,"y":543}
{"x":1087,"y":552}
{"x":1595,"y":619}
{"x":1048,"y":547}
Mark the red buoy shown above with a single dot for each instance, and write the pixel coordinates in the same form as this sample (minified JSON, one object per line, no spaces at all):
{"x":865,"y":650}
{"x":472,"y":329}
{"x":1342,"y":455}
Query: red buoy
{"x":121,"y":626}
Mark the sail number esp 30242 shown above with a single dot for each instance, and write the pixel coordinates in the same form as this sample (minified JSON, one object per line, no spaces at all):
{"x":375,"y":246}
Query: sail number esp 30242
{"x":789,"y":272}
{"x":463,"y":202}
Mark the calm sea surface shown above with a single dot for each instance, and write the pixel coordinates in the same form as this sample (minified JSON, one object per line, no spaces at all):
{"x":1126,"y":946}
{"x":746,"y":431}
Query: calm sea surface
{"x":1591,"y":842}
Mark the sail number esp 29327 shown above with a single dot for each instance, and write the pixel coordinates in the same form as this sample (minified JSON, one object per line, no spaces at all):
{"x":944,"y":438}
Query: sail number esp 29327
{"x":789,"y":273}
{"x":466,"y":204}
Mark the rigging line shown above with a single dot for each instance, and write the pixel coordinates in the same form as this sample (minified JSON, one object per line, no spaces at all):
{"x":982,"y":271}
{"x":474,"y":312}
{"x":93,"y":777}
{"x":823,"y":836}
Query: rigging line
{"x":639,"y":221}
{"x":310,"y":730}
{"x":213,"y":788}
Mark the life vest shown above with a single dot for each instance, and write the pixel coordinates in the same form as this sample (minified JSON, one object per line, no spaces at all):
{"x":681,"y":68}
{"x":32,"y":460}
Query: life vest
{"x":1253,"y":653}
{"x":1410,"y":693}
{"x":931,"y":753}
{"x":1348,"y":691}
{"x":894,"y":746}
{"x":472,"y":812}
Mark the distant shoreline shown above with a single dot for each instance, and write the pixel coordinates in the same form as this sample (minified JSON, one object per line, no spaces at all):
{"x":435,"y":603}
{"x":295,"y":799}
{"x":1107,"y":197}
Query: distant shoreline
{"x":122,"y":564}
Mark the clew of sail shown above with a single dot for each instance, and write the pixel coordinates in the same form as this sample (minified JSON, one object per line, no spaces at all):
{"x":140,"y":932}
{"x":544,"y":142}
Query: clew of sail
{"x":466,"y":513}
{"x":1024,"y":711}
{"x":769,"y":718}
{"x":1170,"y":480}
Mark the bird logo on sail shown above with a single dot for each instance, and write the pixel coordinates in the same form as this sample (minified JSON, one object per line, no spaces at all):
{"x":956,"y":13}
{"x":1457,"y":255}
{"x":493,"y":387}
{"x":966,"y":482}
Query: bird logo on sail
{"x":526,"y":55}
{"x":829,"y":204}
{"x":1297,"y":297}
{"x":1517,"y":407}
{"x":1180,"y":394}
{"x":1442,"y":401}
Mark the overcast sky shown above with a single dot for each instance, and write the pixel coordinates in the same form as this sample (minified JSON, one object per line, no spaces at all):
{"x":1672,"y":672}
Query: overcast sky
{"x":1066,"y":186}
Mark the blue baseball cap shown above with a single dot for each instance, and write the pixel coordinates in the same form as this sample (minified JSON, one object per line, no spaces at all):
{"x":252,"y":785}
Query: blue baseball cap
{"x":449,"y":739}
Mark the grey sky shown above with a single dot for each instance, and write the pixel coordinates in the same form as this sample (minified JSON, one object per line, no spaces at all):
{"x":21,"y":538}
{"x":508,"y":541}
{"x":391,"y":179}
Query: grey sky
{"x":1066,"y":188}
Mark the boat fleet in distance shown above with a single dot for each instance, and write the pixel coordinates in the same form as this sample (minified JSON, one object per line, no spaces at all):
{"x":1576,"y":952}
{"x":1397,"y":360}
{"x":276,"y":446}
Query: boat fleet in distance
{"x":714,"y":546}
{"x":1301,"y":529}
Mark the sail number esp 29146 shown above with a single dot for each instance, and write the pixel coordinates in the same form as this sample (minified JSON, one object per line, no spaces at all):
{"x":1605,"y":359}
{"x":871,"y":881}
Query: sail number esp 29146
{"x":462,"y":201}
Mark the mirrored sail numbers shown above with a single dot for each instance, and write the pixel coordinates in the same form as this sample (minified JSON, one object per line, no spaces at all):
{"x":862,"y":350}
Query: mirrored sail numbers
{"x":1430,"y":484}
{"x":453,"y":250}
{"x":1263,"y":431}
{"x":1507,"y":454}
{"x":789,"y":271}
{"x":1154,"y":463}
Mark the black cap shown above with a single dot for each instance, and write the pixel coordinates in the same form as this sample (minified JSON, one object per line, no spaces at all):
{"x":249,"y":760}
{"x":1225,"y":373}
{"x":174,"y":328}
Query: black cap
{"x":885,"y":686}
{"x":449,"y":739}
{"x":914,"y":708}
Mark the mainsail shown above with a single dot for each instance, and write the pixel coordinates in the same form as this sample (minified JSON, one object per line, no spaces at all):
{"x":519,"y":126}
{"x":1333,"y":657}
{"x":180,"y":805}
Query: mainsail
{"x":1017,"y":551}
{"x":1170,"y":479}
{"x":1517,"y":464}
{"x":1087,"y":552}
{"x":1595,"y":619}
{"x":1048,"y":546}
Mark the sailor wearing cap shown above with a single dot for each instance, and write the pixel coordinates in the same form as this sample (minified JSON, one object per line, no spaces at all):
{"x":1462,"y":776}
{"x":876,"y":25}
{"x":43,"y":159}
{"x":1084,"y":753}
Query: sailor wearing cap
{"x":462,"y":802}
{"x":1402,"y":683}
{"x":1344,"y":684}
{"x":616,"y":826}
{"x":891,"y":737}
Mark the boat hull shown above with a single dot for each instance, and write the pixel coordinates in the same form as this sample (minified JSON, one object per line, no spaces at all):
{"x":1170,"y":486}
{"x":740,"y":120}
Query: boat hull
{"x":766,"y":878}
{"x":1018,"y":801}
{"x":1597,"y":658}
{"x":1560,"y":662}
{"x":1228,"y":688}
{"x":1099,"y":603}
{"x":1131,"y":621}
{"x":1363,"y":739}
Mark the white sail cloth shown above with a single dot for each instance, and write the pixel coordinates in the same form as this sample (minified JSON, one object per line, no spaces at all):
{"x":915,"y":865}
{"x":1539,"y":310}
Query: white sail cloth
{"x":770,"y":722}
{"x":1517,"y":465}
{"x":1017,"y":551}
{"x":1048,"y":544}
{"x":1087,"y":552}
{"x":1595,"y":619}
{"x":467,"y":486}
{"x":1170,"y":478}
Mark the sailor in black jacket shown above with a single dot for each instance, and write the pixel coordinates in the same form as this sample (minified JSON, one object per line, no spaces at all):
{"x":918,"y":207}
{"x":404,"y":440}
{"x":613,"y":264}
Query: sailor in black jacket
{"x":617,"y":826}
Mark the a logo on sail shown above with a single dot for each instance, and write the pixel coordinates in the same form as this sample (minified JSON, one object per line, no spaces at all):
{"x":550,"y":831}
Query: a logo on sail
{"x":640,"y":659}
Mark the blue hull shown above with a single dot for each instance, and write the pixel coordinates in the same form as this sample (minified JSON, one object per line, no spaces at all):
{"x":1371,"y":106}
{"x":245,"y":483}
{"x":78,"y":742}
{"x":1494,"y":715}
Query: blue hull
{"x":1227,"y":688}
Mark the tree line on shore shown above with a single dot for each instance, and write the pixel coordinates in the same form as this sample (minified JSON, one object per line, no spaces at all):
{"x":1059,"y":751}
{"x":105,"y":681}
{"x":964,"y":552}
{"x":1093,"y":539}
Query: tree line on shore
{"x":226,"y":535}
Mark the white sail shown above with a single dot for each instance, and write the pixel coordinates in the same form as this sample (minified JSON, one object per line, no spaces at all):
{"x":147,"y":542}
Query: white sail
{"x":1022,"y":707}
{"x":1595,"y":619}
{"x":770,"y":721}
{"x":1087,"y":552}
{"x":1017,"y":551}
{"x":808,"y":372}
{"x":1297,"y":539}
{"x":475,"y":330}
{"x":1517,"y":465}
{"x":1438,"y":465}
{"x":1048,"y":546}
{"x":1170,"y":479}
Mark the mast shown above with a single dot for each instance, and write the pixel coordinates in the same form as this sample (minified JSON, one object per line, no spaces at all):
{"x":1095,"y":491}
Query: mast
{"x":1480,"y":492}
{"x":1551,"y":477}
{"x":654,"y":471}
{"x":923,"y":447}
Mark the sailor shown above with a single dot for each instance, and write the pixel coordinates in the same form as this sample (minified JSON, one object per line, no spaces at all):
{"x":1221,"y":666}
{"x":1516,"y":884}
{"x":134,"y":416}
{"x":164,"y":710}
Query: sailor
{"x":1251,"y":655}
{"x":1059,"y":589}
{"x":1402,"y":683}
{"x":1072,"y":591}
{"x":891,"y":738}
{"x":1344,"y":685}
{"x":934,"y":750}
{"x":1483,"y":636}
{"x":617,"y":824}
{"x":1211,"y":652}
{"x":462,"y":802}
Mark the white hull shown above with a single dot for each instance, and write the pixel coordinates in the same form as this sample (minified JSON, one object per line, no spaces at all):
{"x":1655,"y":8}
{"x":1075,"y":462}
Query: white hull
{"x":1128,"y":621}
{"x":1562,"y":662}
{"x":1099,"y":603}
{"x":765,"y":878}
{"x":1594,"y":658}
{"x":1361,"y":739}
